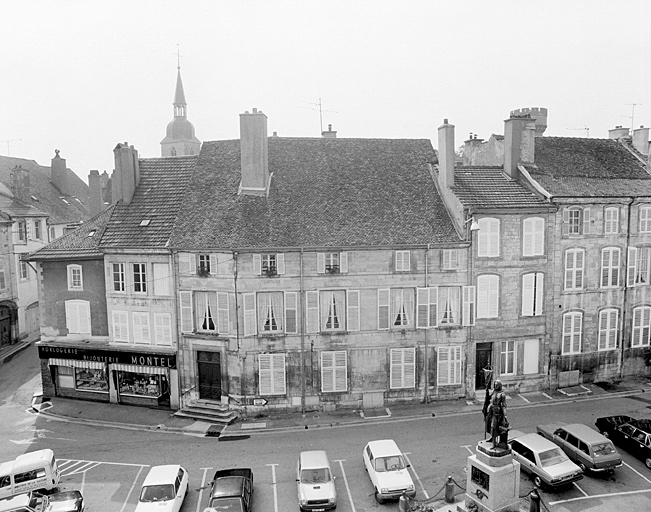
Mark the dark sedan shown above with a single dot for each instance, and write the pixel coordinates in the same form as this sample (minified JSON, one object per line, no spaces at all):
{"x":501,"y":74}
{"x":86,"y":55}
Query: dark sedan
{"x":632,"y":435}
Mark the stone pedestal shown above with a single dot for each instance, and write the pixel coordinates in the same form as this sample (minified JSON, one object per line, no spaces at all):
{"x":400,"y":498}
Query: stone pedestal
{"x":493,"y":482}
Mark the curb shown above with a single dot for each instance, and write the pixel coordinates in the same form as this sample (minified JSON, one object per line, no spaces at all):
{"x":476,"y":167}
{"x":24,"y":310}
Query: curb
{"x":13,"y":350}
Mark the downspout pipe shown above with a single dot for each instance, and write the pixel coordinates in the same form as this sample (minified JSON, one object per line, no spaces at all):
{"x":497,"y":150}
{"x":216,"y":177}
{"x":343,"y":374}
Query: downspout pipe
{"x":426,"y":395}
{"x":625,"y":300}
{"x":303,"y":313}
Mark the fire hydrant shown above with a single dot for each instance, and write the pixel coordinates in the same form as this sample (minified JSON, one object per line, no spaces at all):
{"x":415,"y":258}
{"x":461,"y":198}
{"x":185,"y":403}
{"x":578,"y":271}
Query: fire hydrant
{"x":403,"y":503}
{"x":449,"y":490}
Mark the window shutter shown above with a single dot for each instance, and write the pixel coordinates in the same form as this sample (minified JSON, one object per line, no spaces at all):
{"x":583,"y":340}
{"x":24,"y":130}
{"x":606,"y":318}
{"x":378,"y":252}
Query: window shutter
{"x":161,"y":279}
{"x":327,"y":372}
{"x":291,"y":312}
{"x":468,"y":305}
{"x":539,"y":236}
{"x":586,"y":221}
{"x":264,"y":374}
{"x":278,"y":367}
{"x":185,"y":298}
{"x":257,"y":264}
{"x":163,"y":329}
{"x":527,"y":294}
{"x":409,"y":379}
{"x":84,"y":317}
{"x":482,"y":239}
{"x":493,"y":296}
{"x":443,"y":366}
{"x":632,"y":266}
{"x":482,"y":296}
{"x":566,"y":222}
{"x":396,"y":368}
{"x":383,"y":308}
{"x":186,"y":263}
{"x":494,"y":239}
{"x":120,"y":326}
{"x":312,"y":310}
{"x":433,"y":306}
{"x":540,"y":293}
{"x":250,"y":320}
{"x":137,"y":328}
{"x":353,"y":309}
{"x":341,"y":371}
{"x":343,"y":262}
{"x":446,"y":259}
{"x":530,"y":357}
{"x":72,"y":317}
{"x":280,"y":263}
{"x":214,"y":264}
{"x":527,"y":237}
{"x":422,"y":308}
{"x":320,"y":262}
{"x":223,"y":321}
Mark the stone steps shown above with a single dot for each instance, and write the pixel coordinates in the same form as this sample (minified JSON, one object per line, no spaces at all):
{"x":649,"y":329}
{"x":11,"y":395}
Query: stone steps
{"x":206,"y":410}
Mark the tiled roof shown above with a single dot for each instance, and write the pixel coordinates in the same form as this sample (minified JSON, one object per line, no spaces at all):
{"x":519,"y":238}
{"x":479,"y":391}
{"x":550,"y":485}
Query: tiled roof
{"x":16,"y":208}
{"x":48,"y":197}
{"x":324,"y":193}
{"x":489,"y":187}
{"x":582,"y":167}
{"x":158,"y":198}
{"x":77,"y":244}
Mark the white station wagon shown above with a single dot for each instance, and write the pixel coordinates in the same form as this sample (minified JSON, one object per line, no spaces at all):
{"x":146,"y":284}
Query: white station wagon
{"x":387,"y":470}
{"x":163,"y":490}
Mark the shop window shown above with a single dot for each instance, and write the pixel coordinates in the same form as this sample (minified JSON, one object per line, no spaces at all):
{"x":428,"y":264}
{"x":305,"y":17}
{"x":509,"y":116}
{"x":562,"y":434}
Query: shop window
{"x":65,"y":377}
{"x":88,"y":379}
{"x":142,"y":384}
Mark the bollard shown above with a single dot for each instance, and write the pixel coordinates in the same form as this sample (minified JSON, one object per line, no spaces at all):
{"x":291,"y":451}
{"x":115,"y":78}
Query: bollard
{"x":534,"y":501}
{"x":449,"y":490}
{"x":403,"y":503}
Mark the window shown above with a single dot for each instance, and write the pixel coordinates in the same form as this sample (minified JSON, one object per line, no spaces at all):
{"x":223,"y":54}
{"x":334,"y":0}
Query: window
{"x":608,"y":319}
{"x":427,"y":309}
{"x":576,"y":221}
{"x":141,"y":330}
{"x":291,"y":312}
{"x":488,"y":292}
{"x":645,"y":219}
{"x":533,"y":236}
{"x":638,"y":266}
{"x":271,"y":368}
{"x":204,"y":265}
{"x":402,"y":307}
{"x":448,"y":366}
{"x":139,"y":278}
{"x":120,"y":326}
{"x":37,"y":229}
{"x":3,"y":279}
{"x":163,"y":328}
{"x":572,"y":330}
{"x":530,"y":357}
{"x":611,"y":220}
{"x":74,"y":278}
{"x":403,"y":261}
{"x":52,"y":234}
{"x":449,"y":305}
{"x":270,"y":312}
{"x":268,"y":264}
{"x":334,"y":371}
{"x":403,"y":368}
{"x":507,"y":357}
{"x":161,"y":279}
{"x":332,"y":262}
{"x":610,"y":261}
{"x":211,"y":312}
{"x":118,"y":277}
{"x":22,"y":231}
{"x":532,"y":294}
{"x":574,"y":261}
{"x":488,"y":238}
{"x":333,"y":310}
{"x":24,"y":271}
{"x":353,"y":310}
{"x":450,"y":259}
{"x":185,"y":306}
{"x":641,"y":326}
{"x":78,"y":316}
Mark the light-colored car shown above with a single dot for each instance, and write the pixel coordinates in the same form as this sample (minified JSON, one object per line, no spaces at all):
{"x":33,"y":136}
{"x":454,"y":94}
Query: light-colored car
{"x":316,"y":484}
{"x":543,"y":460}
{"x":387,"y":470}
{"x":64,"y":501}
{"x":164,"y":489}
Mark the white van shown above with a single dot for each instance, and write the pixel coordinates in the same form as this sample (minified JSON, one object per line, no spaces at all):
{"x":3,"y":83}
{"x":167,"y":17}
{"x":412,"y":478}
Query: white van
{"x":35,"y":471}
{"x":28,"y":502}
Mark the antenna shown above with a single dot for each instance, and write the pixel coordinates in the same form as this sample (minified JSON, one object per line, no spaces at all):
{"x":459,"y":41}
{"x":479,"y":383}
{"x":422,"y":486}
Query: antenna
{"x":585,"y":128}
{"x":320,"y":111}
{"x":178,"y":57}
{"x":633,"y":105}
{"x":8,"y":141}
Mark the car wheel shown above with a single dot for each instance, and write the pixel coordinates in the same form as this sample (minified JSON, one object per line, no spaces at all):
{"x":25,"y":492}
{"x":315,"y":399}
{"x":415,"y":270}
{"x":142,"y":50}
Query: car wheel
{"x":581,"y":466}
{"x":378,"y":497}
{"x":538,"y":482}
{"x":648,"y":462}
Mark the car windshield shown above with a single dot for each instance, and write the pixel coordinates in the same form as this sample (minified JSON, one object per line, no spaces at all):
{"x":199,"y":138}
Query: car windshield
{"x":315,"y":476}
{"x":230,"y":504}
{"x":157,"y":493}
{"x":603,"y":449}
{"x":393,"y":463}
{"x":552,"y":457}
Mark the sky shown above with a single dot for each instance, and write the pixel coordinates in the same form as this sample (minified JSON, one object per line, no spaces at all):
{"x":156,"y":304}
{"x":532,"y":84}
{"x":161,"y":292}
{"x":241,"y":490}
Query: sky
{"x":82,"y":76}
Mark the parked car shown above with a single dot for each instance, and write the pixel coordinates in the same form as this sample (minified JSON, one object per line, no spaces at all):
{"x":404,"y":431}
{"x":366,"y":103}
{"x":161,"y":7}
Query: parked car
{"x":543,"y":460}
{"x":632,"y":435}
{"x":25,"y":502}
{"x":164,"y":489}
{"x":64,"y":501}
{"x":387,"y":470}
{"x":231,"y":490}
{"x":315,"y":482}
{"x":586,"y":448}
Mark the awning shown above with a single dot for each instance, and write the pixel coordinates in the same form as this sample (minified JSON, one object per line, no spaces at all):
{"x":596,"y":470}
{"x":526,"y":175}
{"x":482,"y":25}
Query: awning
{"x":95,"y":365}
{"x":151,"y":370}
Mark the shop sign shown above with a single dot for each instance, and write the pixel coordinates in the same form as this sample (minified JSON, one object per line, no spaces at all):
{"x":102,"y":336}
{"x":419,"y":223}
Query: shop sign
{"x":108,"y":356}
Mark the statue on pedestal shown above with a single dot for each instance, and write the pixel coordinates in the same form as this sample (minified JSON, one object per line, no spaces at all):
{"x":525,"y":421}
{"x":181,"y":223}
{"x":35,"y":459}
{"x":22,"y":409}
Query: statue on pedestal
{"x":494,"y":410}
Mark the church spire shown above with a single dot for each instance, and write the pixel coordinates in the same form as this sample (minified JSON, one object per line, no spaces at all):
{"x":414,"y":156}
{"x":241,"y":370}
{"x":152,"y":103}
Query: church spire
{"x":180,"y":106}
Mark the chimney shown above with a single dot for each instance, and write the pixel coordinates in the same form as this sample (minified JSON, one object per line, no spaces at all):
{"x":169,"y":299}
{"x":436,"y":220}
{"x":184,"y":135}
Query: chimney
{"x":329,"y":134}
{"x":617,"y":133}
{"x":254,"y":152}
{"x":20,"y":184}
{"x":446,"y":154}
{"x":59,"y":174}
{"x":641,"y":140}
{"x":519,"y":143}
{"x":538,"y":114}
{"x":126,"y":174}
{"x":95,"y":189}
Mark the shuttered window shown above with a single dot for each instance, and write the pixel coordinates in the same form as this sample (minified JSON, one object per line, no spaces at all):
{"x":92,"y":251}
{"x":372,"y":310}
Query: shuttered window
{"x":426,"y":308}
{"x":488,"y":238}
{"x":610,"y":265}
{"x":312,"y":310}
{"x":185,"y":300}
{"x":223,"y":316}
{"x":334,"y":371}
{"x":141,"y":329}
{"x":161,"y":279}
{"x":352,"y":303}
{"x":78,"y":316}
{"x":403,"y":368}
{"x":448,"y":366}
{"x":403,"y":261}
{"x":574,"y":261}
{"x":645,"y":219}
{"x":608,"y":327}
{"x":469,"y":307}
{"x":533,"y":236}
{"x":572,"y":332}
{"x":187,"y":263}
{"x":120,"y":322}
{"x":641,"y":326}
{"x":488,"y":292}
{"x":532,"y":293}
{"x":450,"y":259}
{"x":611,"y":220}
{"x":383,"y":308}
{"x":291,"y":312}
{"x":250,"y":316}
{"x":271,"y":372}
{"x":162,"y":329}
{"x":576,"y":221}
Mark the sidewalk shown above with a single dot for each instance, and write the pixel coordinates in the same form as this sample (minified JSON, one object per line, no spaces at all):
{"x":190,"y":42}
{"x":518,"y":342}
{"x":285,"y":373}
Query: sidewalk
{"x":7,"y":352}
{"x":163,"y":420}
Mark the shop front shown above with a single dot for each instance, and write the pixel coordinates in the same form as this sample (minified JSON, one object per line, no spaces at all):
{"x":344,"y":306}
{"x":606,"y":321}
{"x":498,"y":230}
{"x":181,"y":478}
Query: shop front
{"x":116,"y":376}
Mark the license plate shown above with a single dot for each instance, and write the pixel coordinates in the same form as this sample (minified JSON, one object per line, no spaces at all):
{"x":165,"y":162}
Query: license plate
{"x":318,"y":509}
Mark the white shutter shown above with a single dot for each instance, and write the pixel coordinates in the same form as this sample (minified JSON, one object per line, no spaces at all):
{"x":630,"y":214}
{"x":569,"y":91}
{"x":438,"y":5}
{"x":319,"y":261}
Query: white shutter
{"x":530,"y":357}
{"x":343,"y":262}
{"x":539,"y":236}
{"x":403,"y":368}
{"x":291,"y":312}
{"x":409,"y":367}
{"x":396,"y":368}
{"x":120,"y":326}
{"x":265,"y":374}
{"x":72,"y":317}
{"x":493,"y":296}
{"x":278,"y":367}
{"x":632,"y":266}
{"x":140,"y":327}
{"x":586,"y":221}
{"x":482,"y":296}
{"x":187,"y":263}
{"x":161,"y":279}
{"x":312,"y":310}
{"x":422,"y":308}
{"x":456,"y":356}
{"x":250,"y":319}
{"x":468,"y":305}
{"x":327,"y":372}
{"x":566,"y":222}
{"x":223,"y":319}
{"x":257,"y":264}
{"x":443,"y":366}
{"x":341,"y":371}
{"x":84,"y":317}
{"x":163,"y":329}
{"x":383,"y":308}
{"x":320,"y":262}
{"x":527,"y":237}
{"x":540,"y":293}
{"x":528,"y":281}
{"x":482,"y":238}
{"x":352,"y":302}
{"x":214,"y":264}
{"x":187,"y":323}
{"x":280,"y":263}
{"x":494,"y":238}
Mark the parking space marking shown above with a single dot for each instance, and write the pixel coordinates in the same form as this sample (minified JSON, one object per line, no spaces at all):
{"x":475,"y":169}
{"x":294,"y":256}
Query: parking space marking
{"x":343,"y":472}
{"x":636,"y":472}
{"x":576,"y":485}
{"x":467,"y":447}
{"x":524,"y":398}
{"x":273,"y":483}
{"x":203,"y":484}
{"x":416,"y":475}
{"x":599,"y":496}
{"x":126,"y":500}
{"x":81,"y":469}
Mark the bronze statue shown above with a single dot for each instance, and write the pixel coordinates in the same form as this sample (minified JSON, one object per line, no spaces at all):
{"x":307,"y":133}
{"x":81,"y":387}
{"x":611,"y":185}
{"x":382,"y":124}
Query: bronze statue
{"x":494,"y":410}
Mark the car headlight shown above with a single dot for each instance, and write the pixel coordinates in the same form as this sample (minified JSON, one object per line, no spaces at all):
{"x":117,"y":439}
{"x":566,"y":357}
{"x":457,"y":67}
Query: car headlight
{"x":331,"y":500}
{"x":384,"y":490}
{"x":410,"y":487}
{"x":303,"y":502}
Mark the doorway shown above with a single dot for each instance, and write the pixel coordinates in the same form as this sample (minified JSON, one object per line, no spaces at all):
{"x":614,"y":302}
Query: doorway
{"x":210,"y":375}
{"x":483,"y":359}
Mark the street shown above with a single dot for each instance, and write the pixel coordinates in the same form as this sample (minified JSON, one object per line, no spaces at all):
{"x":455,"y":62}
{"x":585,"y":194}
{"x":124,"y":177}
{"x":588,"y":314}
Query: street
{"x":108,"y":464}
